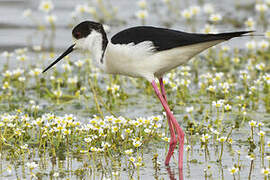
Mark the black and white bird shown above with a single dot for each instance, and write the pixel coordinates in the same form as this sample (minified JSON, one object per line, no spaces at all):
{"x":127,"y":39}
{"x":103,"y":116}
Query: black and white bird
{"x":147,"y":52}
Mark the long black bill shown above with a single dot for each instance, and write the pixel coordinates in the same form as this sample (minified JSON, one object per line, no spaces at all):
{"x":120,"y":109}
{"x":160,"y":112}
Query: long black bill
{"x":69,"y":50}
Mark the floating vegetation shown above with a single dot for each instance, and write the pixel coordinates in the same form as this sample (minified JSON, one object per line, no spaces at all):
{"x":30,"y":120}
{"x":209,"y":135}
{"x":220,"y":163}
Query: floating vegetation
{"x":100,"y":142}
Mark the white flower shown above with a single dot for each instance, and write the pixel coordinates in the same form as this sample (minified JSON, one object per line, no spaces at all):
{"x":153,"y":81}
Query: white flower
{"x":209,"y":29}
{"x":189,"y":109}
{"x":266,"y":78}
{"x":25,"y":146}
{"x":187,"y":14}
{"x":31,"y":165}
{"x":51,"y":18}
{"x":35,"y":107}
{"x":6,"y":54}
{"x":66,"y":67}
{"x":27,"y":13}
{"x":35,"y":72}
{"x":250,"y":23}
{"x":218,"y":103}
{"x":113,"y":88}
{"x":251,"y":45}
{"x":22,"y":58}
{"x":252,"y":123}
{"x":79,"y":63}
{"x":225,"y":48}
{"x":250,"y":157}
{"x":261,"y":133}
{"x":115,"y":173}
{"x":166,"y":139}
{"x":132,"y":159}
{"x":5,"y":86}
{"x":142,"y":4}
{"x":236,"y":60}
{"x":21,"y":51}
{"x":265,"y":171}
{"x":227,"y":107}
{"x":87,"y":140}
{"x":211,"y":88}
{"x":244,"y":75}
{"x":57,"y":93}
{"x":233,"y":170}
{"x":128,"y":152}
{"x":222,"y":139}
{"x":142,"y":14}
{"x":37,"y":48}
{"x":195,"y":10}
{"x":56,"y":174}
{"x":185,"y":82}
{"x":215,"y":17}
{"x":91,"y":10}
{"x":46,"y":6}
{"x":81,"y":8}
{"x":72,"y":80}
{"x":261,"y":8}
{"x":260,"y":66}
{"x":263,"y":45}
{"x":21,"y":79}
{"x":137,"y":143}
{"x":7,"y":73}
{"x":205,"y":137}
{"x":267,"y":34}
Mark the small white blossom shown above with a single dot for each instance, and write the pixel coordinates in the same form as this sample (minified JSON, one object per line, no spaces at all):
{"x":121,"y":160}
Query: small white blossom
{"x":265,"y":171}
{"x":27,"y":13}
{"x":261,"y":7}
{"x":233,"y":170}
{"x":46,"y":6}
{"x":215,"y":17}
{"x":251,"y":45}
{"x":263,"y":45}
{"x":250,"y":23}
{"x":51,"y":19}
{"x":189,"y":109}
{"x":142,"y":14}
{"x":31,"y":165}
{"x":142,"y":4}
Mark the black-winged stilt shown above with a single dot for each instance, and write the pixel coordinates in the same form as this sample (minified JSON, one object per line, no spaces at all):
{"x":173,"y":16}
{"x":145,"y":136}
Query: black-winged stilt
{"x":147,"y":52}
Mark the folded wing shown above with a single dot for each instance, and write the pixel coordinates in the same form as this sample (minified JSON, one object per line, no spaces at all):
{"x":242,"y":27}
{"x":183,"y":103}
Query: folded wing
{"x":164,"y":39}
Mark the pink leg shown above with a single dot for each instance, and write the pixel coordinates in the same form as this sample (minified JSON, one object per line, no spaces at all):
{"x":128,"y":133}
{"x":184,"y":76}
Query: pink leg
{"x":173,"y":140}
{"x":177,"y":127}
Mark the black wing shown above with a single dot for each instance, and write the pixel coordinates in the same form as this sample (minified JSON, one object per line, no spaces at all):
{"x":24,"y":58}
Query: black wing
{"x":164,"y":39}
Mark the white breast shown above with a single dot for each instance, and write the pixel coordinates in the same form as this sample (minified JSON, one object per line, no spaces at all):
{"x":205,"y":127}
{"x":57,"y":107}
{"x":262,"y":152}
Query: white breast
{"x":129,"y":59}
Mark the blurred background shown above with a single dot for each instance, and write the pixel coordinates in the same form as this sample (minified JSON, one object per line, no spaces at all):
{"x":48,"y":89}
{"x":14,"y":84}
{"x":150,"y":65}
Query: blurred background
{"x":23,"y":22}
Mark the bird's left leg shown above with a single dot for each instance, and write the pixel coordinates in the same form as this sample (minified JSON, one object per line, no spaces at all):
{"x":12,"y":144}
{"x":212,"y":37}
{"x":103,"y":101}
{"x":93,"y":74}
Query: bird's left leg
{"x":177,"y":127}
{"x":173,"y":140}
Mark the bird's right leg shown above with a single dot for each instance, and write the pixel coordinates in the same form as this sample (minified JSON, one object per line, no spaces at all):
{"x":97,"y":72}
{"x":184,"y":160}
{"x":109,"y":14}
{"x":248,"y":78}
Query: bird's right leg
{"x":173,"y":140}
{"x":177,"y":127}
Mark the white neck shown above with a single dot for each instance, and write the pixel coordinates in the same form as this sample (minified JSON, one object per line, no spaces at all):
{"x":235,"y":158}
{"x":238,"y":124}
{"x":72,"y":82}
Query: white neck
{"x":93,"y":43}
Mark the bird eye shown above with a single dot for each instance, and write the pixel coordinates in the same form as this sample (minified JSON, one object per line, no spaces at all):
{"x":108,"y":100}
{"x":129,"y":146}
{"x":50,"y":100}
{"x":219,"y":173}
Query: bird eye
{"x":77,"y":35}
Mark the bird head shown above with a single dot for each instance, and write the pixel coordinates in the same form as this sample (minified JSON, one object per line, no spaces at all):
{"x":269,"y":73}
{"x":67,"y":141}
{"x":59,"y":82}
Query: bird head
{"x":87,"y":35}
